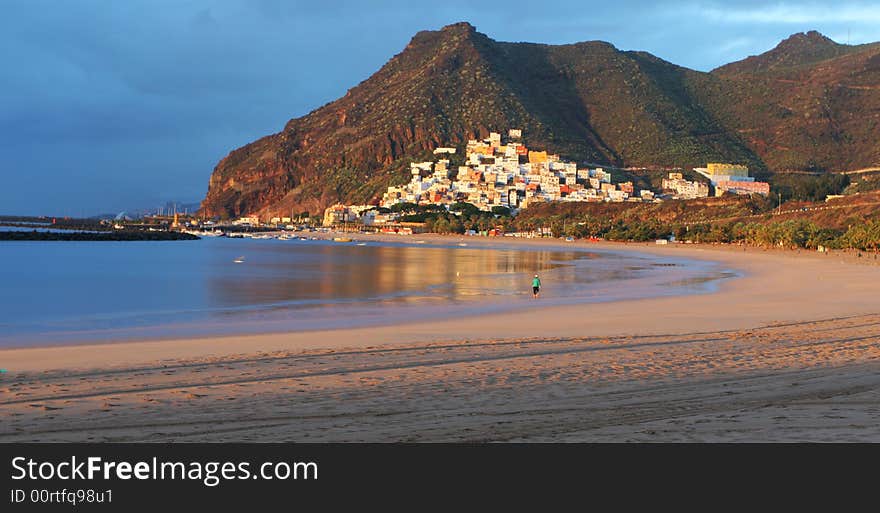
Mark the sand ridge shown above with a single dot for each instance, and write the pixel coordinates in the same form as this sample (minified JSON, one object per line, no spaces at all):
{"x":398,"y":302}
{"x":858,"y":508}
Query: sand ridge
{"x":793,"y":382}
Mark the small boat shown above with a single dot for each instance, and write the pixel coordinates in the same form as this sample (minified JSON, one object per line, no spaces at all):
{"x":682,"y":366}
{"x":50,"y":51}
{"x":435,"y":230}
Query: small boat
{"x":239,"y":260}
{"x":341,"y":239}
{"x":303,"y":238}
{"x":420,"y":242}
{"x":361,"y":243}
{"x":462,"y":244}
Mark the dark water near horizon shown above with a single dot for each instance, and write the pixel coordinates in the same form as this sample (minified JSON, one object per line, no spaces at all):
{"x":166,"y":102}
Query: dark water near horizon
{"x":69,"y":292}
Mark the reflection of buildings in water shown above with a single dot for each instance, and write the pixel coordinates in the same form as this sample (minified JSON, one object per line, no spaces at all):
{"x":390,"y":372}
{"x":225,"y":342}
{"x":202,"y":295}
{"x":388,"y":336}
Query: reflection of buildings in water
{"x":322,"y":274}
{"x":327,"y":267}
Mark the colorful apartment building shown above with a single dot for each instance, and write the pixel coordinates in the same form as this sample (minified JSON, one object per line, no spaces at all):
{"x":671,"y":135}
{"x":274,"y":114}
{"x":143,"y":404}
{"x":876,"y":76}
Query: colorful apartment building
{"x":732,"y":178}
{"x":740,"y":187}
{"x":719,"y":169}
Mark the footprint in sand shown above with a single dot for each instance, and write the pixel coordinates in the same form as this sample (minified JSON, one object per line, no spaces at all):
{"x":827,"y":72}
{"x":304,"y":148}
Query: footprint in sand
{"x":45,"y":407}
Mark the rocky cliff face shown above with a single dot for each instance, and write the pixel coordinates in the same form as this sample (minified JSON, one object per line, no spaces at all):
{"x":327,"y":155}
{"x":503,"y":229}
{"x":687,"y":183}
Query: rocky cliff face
{"x":586,"y":101}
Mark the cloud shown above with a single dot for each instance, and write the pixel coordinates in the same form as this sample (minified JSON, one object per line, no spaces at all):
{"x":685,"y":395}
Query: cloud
{"x":794,"y":14}
{"x":734,"y":43}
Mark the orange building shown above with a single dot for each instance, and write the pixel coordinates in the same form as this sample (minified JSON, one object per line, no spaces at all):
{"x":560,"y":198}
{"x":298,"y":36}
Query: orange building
{"x":482,"y":149}
{"x":537,"y":157}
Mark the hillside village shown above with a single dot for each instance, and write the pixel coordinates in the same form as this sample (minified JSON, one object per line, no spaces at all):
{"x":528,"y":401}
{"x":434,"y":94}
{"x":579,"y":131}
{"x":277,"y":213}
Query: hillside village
{"x":509,"y":176}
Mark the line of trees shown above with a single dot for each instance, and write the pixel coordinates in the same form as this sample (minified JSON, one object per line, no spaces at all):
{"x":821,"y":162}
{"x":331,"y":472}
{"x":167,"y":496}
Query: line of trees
{"x":459,"y":218}
{"x":795,"y":233}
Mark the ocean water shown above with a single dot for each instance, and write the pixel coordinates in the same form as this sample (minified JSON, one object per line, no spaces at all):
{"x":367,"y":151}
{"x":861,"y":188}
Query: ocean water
{"x":73,"y":292}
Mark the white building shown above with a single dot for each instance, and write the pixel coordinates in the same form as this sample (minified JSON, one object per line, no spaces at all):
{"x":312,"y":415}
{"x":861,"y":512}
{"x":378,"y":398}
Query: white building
{"x":251,"y":220}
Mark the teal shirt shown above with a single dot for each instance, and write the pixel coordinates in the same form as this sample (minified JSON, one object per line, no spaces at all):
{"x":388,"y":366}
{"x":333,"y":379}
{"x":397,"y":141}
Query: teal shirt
{"x":536,"y":282}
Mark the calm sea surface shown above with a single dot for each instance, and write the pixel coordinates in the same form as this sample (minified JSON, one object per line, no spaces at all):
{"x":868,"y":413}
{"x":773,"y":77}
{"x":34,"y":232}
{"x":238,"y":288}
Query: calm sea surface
{"x":69,"y":292}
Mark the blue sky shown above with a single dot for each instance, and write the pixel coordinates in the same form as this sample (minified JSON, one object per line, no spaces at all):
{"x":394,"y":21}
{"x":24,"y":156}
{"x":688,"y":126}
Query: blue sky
{"x":108,"y":105}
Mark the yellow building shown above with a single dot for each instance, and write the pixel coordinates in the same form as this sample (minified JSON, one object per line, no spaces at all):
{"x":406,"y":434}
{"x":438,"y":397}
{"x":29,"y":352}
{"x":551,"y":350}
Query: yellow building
{"x":717,"y":169}
{"x":482,"y":149}
{"x":537,"y":156}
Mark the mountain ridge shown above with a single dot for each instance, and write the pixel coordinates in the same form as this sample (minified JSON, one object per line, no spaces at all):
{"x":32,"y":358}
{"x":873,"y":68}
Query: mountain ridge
{"x":587,"y":101}
{"x":798,"y":49}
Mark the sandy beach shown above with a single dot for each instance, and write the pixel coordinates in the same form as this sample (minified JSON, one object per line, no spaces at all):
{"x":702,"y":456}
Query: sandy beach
{"x":788,"y":352}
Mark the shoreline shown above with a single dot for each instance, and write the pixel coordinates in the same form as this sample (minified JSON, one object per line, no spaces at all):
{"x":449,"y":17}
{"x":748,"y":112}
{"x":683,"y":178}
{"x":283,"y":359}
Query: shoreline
{"x":846,"y":255}
{"x":645,"y":287}
{"x":769,"y":283}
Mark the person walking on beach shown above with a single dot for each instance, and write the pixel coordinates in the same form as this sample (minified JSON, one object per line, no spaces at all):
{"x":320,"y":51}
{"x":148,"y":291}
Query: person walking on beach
{"x":536,"y":286}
